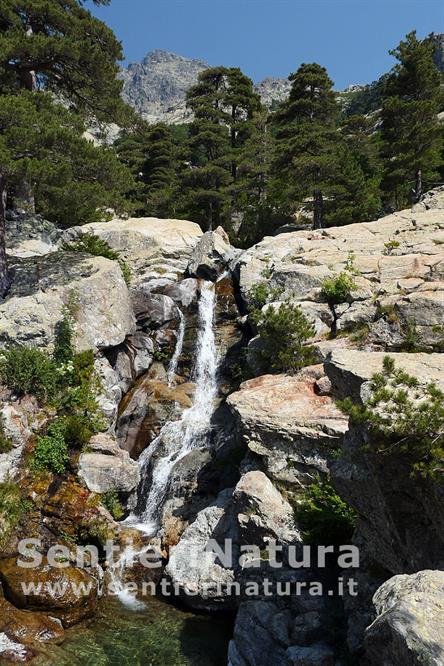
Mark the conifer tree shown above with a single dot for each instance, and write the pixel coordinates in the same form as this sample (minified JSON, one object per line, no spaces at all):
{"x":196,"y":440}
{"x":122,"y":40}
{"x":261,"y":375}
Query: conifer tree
{"x":306,"y":140}
{"x":411,"y":135}
{"x":151,"y":155}
{"x":59,"y":47}
{"x":223,"y":102}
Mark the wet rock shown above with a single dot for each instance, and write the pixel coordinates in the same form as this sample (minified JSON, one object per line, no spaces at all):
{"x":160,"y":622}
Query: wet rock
{"x":27,"y":627}
{"x":69,"y":593}
{"x":146,"y":408}
{"x":409,"y":627}
{"x":314,"y":655}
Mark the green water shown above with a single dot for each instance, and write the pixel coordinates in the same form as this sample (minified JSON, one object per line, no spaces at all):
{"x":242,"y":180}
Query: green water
{"x":159,"y":635}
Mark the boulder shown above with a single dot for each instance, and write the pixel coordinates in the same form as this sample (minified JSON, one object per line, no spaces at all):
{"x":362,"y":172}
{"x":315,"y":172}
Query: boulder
{"x":211,"y":255}
{"x":152,"y":247}
{"x":69,"y":593}
{"x":20,"y":418}
{"x":262,"y":513}
{"x":153,"y":310}
{"x":348,"y":370}
{"x":409,"y":627}
{"x":108,"y":467}
{"x":294,"y":431}
{"x":42,"y":287}
{"x":30,"y":235}
{"x":194,"y":569}
{"x":29,"y":628}
{"x":184,"y":293}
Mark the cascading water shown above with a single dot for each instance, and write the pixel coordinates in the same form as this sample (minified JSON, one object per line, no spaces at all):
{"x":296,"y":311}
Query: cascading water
{"x":177,"y":438}
{"x":172,"y":368}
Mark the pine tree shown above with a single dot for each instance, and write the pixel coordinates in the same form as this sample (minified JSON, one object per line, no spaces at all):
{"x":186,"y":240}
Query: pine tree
{"x":411,"y":135}
{"x":58,"y":47}
{"x":223,"y":102}
{"x":151,"y":155}
{"x":42,"y":143}
{"x":306,"y":140}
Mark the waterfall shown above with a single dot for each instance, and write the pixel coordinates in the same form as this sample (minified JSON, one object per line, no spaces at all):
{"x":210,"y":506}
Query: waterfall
{"x":178,"y":438}
{"x":172,"y":368}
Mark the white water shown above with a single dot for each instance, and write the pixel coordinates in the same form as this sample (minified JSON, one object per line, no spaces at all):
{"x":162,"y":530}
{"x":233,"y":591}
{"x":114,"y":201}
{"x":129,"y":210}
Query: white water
{"x":172,"y":368}
{"x":176,"y":439}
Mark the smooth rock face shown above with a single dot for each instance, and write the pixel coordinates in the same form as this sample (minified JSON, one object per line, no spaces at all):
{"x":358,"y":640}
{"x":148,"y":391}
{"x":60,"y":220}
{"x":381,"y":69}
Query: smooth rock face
{"x":262,"y":512}
{"x":152,"y":247}
{"x":196,"y":569}
{"x":409,"y":627}
{"x":29,"y":628}
{"x":293,"y":430}
{"x":211,"y":255}
{"x":398,"y":265}
{"x":348,"y":370}
{"x":42,"y":287}
{"x":108,"y":467}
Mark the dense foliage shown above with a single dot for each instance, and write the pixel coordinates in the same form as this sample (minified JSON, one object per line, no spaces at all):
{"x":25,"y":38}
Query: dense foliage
{"x":284,"y":331}
{"x":404,"y":418}
{"x":324,"y":517}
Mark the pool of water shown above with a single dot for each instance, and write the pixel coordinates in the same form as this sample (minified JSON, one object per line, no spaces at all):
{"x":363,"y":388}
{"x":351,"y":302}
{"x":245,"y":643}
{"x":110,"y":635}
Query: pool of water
{"x":158,"y":635}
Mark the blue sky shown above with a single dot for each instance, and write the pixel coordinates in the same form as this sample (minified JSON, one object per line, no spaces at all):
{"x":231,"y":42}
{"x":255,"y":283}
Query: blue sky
{"x":273,"y":37}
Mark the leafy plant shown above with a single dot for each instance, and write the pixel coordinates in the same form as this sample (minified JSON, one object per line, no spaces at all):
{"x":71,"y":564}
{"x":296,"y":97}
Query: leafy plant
{"x":283,"y":332}
{"x":260,"y":294}
{"x":98,"y":247}
{"x":324,"y":517}
{"x":51,"y":451}
{"x":111,"y":502}
{"x":390,"y":245}
{"x":63,"y":345}
{"x":12,"y":507}
{"x":337,"y":289}
{"x":403,"y":417}
{"x":28,"y":370}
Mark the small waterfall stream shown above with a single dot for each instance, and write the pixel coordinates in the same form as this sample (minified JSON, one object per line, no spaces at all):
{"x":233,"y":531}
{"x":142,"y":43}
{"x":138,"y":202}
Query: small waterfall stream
{"x":172,"y":368}
{"x":177,"y":438}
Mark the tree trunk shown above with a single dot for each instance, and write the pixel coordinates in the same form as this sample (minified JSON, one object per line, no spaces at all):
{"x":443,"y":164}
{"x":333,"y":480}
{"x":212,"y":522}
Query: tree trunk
{"x":417,"y":193}
{"x":4,"y":279}
{"x":24,"y":197}
{"x":318,"y":210}
{"x":210,"y":216}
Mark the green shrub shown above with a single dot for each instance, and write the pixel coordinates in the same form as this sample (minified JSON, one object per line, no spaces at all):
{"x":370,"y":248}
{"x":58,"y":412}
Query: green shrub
{"x":98,"y":247}
{"x":283,"y":332}
{"x":111,"y":502}
{"x":29,"y":370}
{"x":404,"y":418}
{"x":324,"y":517}
{"x":261,"y":293}
{"x":78,"y":430}
{"x":51,"y":450}
{"x":337,"y":289}
{"x":12,"y":507}
{"x":390,"y":246}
